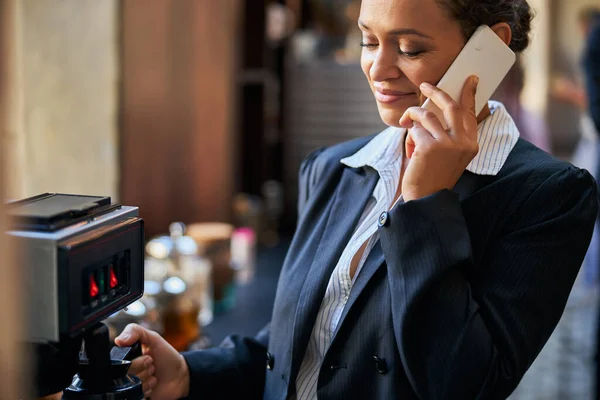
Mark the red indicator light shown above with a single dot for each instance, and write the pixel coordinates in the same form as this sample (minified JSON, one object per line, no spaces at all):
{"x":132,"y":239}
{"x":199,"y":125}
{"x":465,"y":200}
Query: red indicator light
{"x":93,"y":287}
{"x":113,"y":278}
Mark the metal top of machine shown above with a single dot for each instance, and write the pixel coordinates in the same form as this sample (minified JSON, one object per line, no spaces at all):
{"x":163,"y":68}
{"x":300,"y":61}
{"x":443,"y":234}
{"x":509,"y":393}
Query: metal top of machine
{"x":51,"y":212}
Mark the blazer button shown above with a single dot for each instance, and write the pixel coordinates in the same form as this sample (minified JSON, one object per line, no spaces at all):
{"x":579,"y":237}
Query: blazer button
{"x":270,"y":361}
{"x":383,"y":219}
{"x":380,"y":365}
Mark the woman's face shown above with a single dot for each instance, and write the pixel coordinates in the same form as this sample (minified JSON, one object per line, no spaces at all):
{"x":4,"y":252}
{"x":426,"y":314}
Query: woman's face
{"x":405,"y":43}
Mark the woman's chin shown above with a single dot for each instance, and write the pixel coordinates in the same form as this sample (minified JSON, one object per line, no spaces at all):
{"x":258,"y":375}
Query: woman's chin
{"x":391,"y":117}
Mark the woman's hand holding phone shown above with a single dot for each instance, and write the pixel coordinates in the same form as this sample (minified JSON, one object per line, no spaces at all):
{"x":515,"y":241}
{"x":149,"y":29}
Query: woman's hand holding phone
{"x":438,"y":157}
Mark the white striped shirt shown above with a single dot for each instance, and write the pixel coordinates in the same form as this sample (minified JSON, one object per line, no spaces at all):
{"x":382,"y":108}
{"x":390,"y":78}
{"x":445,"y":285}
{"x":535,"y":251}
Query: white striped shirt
{"x":497,"y":135}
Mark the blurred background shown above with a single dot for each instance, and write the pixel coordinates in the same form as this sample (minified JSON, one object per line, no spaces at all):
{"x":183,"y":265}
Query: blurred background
{"x":200,"y":112}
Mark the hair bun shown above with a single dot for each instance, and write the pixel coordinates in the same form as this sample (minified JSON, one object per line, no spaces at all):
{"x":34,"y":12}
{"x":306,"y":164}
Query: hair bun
{"x":521,"y":26}
{"x":473,"y":13}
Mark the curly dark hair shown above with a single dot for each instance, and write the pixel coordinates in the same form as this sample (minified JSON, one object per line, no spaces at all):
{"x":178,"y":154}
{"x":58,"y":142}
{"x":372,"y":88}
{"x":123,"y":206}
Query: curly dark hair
{"x":473,"y":13}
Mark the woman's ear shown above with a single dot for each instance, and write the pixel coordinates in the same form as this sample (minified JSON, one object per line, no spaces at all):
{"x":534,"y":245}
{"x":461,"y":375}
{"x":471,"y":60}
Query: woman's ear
{"x":503,"y":31}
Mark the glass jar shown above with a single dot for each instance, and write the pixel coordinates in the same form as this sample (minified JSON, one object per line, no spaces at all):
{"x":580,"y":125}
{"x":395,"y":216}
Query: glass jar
{"x":214,"y":244}
{"x":178,"y":284}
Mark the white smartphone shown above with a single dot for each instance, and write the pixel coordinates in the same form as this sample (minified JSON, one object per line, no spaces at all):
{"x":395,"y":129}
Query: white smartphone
{"x":484,"y":55}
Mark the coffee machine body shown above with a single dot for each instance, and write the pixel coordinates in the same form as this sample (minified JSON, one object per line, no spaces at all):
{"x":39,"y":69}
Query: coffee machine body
{"x":82,"y":259}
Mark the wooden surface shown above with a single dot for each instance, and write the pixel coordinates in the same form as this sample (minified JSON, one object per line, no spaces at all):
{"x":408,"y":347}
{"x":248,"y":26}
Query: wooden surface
{"x":178,"y":109}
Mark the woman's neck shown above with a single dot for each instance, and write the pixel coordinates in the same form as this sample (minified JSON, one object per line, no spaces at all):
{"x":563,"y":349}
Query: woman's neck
{"x":484,"y":114}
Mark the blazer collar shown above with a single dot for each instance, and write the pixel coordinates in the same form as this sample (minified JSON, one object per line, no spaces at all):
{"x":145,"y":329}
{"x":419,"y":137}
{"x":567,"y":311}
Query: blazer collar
{"x":496,"y":135}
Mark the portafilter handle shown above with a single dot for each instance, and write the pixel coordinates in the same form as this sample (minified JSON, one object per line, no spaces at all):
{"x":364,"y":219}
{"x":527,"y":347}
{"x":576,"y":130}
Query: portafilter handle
{"x":100,"y":377}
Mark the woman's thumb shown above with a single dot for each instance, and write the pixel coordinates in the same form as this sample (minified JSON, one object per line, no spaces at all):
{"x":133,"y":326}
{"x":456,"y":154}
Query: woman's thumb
{"x":409,"y":145}
{"x":131,"y":334}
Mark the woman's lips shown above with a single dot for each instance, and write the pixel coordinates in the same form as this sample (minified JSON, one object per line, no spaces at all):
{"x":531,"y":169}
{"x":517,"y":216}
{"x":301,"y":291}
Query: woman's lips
{"x":386,"y":96}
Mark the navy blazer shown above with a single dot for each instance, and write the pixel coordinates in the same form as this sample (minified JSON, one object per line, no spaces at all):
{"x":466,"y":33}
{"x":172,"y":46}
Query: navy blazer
{"x":454,"y":302}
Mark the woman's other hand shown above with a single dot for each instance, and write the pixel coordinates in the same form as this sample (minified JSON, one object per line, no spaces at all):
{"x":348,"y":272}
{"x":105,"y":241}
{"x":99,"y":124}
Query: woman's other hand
{"x":162,"y":370}
{"x":438,"y":157}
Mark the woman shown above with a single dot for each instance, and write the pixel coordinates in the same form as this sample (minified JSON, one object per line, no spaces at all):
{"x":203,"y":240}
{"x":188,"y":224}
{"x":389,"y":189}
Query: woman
{"x":427,"y":265}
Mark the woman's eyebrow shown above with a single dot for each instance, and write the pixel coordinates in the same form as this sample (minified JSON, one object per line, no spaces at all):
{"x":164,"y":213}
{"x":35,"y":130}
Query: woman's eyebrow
{"x":399,"y":32}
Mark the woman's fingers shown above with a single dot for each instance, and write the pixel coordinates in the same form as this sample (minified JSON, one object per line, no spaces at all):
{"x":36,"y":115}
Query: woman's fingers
{"x":426,"y":119}
{"x":144,"y":369}
{"x":148,"y":385}
{"x":139,"y":364}
{"x":451,"y":109}
{"x":146,"y":374}
{"x":418,"y":139}
{"x":467,"y":103}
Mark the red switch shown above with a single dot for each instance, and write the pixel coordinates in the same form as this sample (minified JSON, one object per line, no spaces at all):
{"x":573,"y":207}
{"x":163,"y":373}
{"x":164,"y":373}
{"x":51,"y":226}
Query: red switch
{"x":93,"y":287}
{"x":113,"y":278}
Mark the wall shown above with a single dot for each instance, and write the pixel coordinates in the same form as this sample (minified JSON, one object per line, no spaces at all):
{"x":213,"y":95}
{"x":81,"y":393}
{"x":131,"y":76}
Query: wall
{"x":63,"y":136}
{"x":179,"y":64}
{"x":536,"y":61}
{"x":12,"y":377}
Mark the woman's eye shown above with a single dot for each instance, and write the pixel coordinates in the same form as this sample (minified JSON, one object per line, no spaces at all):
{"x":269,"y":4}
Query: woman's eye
{"x":368,"y":45}
{"x":410,"y":54}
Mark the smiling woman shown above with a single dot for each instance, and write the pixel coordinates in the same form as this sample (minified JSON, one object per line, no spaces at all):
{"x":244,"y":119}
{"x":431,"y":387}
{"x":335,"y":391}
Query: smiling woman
{"x":428,"y":263}
{"x":427,"y":44}
{"x":404,"y":46}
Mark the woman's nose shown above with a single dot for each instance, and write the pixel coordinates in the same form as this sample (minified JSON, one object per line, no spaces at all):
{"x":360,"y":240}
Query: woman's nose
{"x":384,"y":66}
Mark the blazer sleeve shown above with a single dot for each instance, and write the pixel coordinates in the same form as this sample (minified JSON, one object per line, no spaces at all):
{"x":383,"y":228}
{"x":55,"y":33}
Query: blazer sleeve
{"x":470,"y":331}
{"x":592,"y":76}
{"x":235,"y":369}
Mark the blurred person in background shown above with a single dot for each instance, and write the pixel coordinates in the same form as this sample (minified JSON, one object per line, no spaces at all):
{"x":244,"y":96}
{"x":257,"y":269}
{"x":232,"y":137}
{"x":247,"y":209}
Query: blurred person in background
{"x":531,"y":128}
{"x":590,"y":24}
{"x":428,"y":263}
{"x":586,"y":97}
{"x":591,"y":67}
{"x":579,"y":95}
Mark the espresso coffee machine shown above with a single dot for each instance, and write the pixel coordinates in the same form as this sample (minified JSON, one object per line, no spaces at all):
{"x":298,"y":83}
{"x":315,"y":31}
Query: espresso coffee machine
{"x":82,"y":257}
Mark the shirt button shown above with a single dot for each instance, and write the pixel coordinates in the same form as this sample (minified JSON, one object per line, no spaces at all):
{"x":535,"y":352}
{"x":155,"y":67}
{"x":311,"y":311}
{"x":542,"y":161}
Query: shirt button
{"x":383,"y":219}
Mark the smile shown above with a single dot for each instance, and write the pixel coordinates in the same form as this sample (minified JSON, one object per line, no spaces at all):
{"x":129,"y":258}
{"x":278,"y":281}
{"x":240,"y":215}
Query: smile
{"x":391,"y":96}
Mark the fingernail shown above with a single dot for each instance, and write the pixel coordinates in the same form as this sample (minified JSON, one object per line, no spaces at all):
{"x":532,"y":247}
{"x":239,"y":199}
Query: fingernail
{"x":123,"y":336}
{"x":148,"y":362}
{"x":425,"y":85}
{"x":476,"y":80}
{"x":152,"y":370}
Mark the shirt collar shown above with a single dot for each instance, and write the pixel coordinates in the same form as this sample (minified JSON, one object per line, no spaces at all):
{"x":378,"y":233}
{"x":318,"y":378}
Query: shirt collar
{"x":497,"y":136}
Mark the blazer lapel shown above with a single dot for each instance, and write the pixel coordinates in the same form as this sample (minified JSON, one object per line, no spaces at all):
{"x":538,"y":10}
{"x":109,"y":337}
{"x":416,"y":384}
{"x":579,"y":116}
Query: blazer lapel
{"x":354,"y":190}
{"x":374,"y":261}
